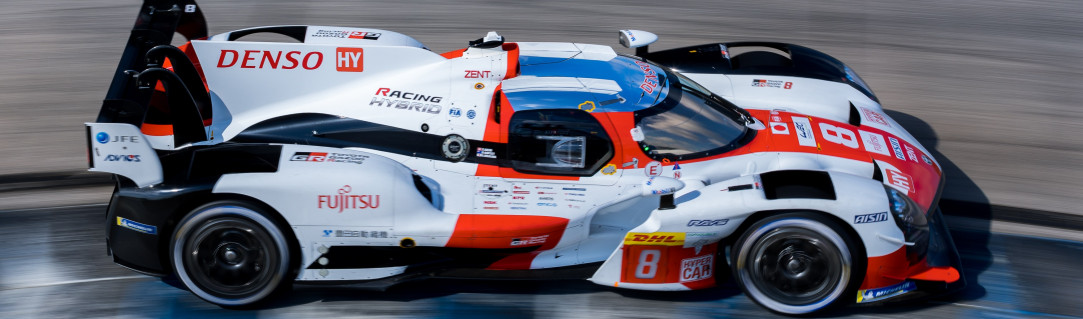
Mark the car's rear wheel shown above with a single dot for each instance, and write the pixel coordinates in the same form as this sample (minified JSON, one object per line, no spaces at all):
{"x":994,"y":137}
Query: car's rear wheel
{"x":231,"y":254}
{"x":795,"y":263}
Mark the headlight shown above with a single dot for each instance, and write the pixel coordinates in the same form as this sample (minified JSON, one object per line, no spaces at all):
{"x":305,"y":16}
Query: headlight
{"x":911,"y":220}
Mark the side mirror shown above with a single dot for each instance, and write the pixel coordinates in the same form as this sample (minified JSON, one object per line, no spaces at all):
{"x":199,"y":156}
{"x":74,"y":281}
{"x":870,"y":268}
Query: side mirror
{"x":637,"y":39}
{"x":665,"y":186}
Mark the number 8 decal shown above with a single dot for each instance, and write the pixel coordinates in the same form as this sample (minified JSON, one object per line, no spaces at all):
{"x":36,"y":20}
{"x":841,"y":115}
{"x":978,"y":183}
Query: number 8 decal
{"x":648,"y":263}
{"x":835,"y":134}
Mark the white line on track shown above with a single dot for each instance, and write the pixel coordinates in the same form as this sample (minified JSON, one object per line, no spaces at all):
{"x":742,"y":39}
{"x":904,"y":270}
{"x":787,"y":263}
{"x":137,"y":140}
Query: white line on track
{"x":1002,"y":310}
{"x":80,"y":281}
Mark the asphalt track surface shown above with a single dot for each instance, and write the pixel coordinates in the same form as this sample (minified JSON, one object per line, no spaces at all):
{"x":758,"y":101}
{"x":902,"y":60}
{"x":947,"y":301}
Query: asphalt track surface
{"x":990,"y":87}
{"x":53,"y":265}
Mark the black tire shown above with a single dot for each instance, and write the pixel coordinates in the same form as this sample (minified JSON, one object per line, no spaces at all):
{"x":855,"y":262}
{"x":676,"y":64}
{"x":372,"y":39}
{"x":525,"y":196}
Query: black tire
{"x":231,"y":254}
{"x":797,"y":263}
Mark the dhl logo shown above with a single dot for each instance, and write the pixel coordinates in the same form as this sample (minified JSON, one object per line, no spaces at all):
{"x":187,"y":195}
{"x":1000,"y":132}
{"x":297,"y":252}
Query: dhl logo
{"x":654,"y":239}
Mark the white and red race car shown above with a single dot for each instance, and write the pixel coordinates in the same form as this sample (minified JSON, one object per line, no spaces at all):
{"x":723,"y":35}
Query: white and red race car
{"x":359,"y":156}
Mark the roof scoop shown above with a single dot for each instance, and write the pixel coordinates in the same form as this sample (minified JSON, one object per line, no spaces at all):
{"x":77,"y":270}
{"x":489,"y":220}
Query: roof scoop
{"x":491,"y":40}
{"x":637,"y":39}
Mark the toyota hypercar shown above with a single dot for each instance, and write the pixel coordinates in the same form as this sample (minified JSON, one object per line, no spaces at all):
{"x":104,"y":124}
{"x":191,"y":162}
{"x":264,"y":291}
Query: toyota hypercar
{"x":358,"y":156}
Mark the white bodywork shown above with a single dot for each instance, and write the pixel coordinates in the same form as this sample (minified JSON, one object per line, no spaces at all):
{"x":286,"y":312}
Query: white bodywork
{"x":353,"y":78}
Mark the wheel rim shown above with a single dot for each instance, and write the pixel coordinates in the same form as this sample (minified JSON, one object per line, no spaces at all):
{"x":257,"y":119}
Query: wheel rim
{"x":795,"y":265}
{"x":230,"y":255}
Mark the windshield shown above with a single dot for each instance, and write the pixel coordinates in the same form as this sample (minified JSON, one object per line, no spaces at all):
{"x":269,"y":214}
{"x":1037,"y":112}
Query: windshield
{"x":690,"y":122}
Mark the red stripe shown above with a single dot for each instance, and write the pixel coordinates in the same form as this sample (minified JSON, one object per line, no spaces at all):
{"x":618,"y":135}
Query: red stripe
{"x":498,"y":231}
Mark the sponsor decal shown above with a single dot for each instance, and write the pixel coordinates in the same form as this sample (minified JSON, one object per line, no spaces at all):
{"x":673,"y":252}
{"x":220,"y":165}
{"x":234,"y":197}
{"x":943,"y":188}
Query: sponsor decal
{"x":899,"y":179}
{"x":546,"y":193}
{"x":491,"y":191}
{"x":189,"y":8}
{"x":587,"y":106}
{"x":455,"y":112}
{"x":346,"y":34}
{"x":577,"y":189}
{"x":805,"y":136}
{"x":122,"y":158}
{"x":518,"y":197}
{"x":476,"y":74}
{"x":650,"y":78}
{"x":275,"y":60}
{"x":874,"y":116}
{"x":609,"y":169}
{"x":779,"y":127}
{"x":776,"y":118}
{"x":471,"y":114}
{"x":137,"y":226}
{"x":895,"y":146}
{"x":654,"y":168}
{"x":490,"y":207}
{"x":364,"y":35}
{"x":523,"y":192}
{"x":772,"y":84}
{"x":525,"y":241}
{"x":490,"y":202}
{"x":926,"y":160}
{"x":407,"y":101}
{"x":543,"y":187}
{"x":870,"y":295}
{"x":676,"y":170}
{"x":486,"y":152}
{"x":548,"y":204}
{"x":104,"y":138}
{"x":575,"y":200}
{"x":479,"y":86}
{"x":576,"y":194}
{"x":518,"y":208}
{"x":345,"y":201}
{"x":518,"y":204}
{"x":696,"y":268}
{"x":873,"y":142}
{"x":349,"y":59}
{"x":546,"y":198}
{"x":328,"y":157}
{"x":355,"y":233}
{"x":707,"y":222}
{"x":910,"y":153}
{"x":659,"y":238}
{"x":870,"y":218}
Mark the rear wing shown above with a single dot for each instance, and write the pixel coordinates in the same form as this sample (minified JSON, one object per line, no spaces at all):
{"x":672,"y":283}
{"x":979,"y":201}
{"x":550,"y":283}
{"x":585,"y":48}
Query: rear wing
{"x":141,"y":70}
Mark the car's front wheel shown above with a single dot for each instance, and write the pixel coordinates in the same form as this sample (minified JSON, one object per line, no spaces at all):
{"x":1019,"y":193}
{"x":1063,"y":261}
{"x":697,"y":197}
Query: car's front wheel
{"x":231,"y":254}
{"x":795,"y":263}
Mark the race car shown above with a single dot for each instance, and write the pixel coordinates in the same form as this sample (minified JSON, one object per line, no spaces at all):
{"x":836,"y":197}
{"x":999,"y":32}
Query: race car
{"x":359,"y":156}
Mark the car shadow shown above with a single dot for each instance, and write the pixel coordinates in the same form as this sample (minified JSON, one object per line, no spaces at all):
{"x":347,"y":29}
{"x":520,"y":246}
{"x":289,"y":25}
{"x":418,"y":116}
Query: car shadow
{"x":961,"y":197}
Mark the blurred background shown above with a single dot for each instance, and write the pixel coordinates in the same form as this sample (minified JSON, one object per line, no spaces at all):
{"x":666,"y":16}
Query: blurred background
{"x":990,"y":87}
